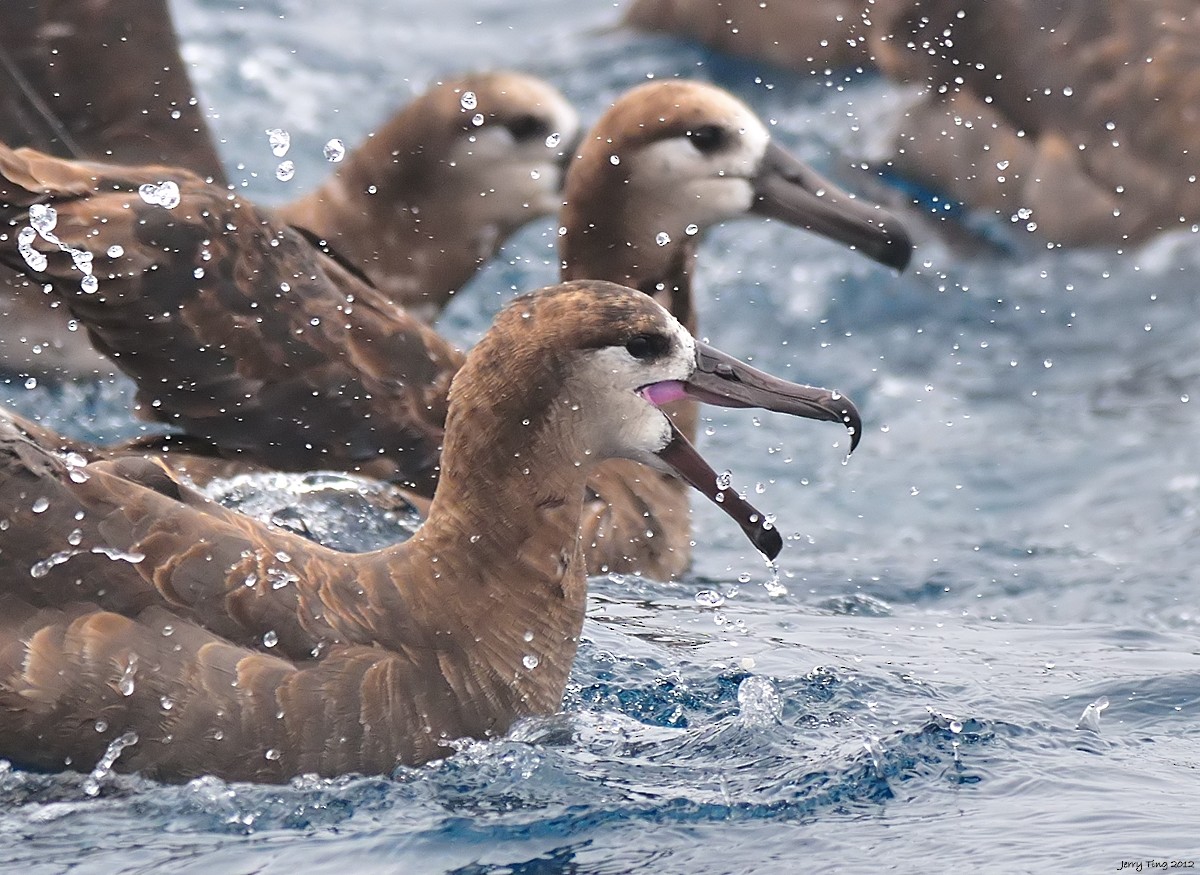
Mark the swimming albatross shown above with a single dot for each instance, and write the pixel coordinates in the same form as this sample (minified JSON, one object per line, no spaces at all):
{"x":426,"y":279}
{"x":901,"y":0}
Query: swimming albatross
{"x":133,"y":605}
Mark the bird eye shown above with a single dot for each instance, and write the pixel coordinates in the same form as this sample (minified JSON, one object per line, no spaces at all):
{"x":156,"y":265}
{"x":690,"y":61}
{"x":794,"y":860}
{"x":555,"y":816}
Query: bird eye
{"x":527,"y":127}
{"x":707,"y":138}
{"x":647,"y":346}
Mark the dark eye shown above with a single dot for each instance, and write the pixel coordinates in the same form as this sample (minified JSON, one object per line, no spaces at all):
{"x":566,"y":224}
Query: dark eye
{"x":526,"y":127}
{"x":707,"y":138}
{"x":647,"y":346}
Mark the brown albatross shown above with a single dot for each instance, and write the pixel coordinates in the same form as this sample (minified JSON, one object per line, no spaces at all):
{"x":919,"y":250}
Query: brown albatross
{"x":263,"y":356}
{"x":135,"y":609}
{"x":669,"y":160}
{"x":418,"y":207}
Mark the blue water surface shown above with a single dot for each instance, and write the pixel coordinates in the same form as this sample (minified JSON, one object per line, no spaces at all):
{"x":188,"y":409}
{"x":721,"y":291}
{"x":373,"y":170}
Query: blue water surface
{"x":1015,"y":540}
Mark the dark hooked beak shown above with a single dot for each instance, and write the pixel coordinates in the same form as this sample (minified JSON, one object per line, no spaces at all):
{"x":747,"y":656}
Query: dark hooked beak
{"x":722,"y":380}
{"x":789,"y":190}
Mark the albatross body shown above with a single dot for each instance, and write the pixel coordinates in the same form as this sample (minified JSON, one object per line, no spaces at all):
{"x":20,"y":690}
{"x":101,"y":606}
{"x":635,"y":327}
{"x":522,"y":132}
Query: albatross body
{"x":135,"y":609}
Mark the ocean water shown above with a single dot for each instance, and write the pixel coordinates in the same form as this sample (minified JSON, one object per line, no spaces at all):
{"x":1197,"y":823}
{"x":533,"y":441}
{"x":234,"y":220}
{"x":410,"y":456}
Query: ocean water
{"x":1013,"y":547}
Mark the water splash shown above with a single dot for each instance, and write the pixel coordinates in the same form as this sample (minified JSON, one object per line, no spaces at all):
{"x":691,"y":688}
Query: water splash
{"x":758,"y":702}
{"x":103,"y":768}
{"x":1090,"y":718}
{"x":773,"y":585}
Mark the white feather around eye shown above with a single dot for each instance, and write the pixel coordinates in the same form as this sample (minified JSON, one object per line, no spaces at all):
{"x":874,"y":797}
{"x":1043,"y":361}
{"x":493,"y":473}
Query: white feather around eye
{"x":508,"y":175}
{"x":691,"y":187}
{"x":616,"y":420}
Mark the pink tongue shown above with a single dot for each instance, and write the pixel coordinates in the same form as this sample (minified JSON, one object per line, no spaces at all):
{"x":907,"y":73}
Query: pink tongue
{"x":659,"y":394}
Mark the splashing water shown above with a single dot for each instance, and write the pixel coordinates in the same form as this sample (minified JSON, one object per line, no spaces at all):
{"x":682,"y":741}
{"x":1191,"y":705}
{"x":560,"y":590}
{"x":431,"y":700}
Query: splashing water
{"x":758,"y":702}
{"x":103,"y":768}
{"x":1090,"y":718}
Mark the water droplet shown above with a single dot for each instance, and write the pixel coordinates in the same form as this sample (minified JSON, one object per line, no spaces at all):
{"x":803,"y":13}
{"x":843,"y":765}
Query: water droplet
{"x":40,"y":505}
{"x":692,"y":230}
{"x":36,"y":261}
{"x":1001,"y":165}
{"x":614,"y":159}
{"x":477,"y":119}
{"x":334,"y":151}
{"x":126,"y":683}
{"x":468,"y":101}
{"x":198,"y":273}
{"x":91,"y":784}
{"x":528,"y":636}
{"x":285,"y":171}
{"x":43,"y":218}
{"x":168,"y":631}
{"x":280,"y":141}
{"x":165,"y":194}
{"x":662,"y":238}
{"x":709,"y":598}
{"x":553,"y":140}
{"x":82,"y":260}
{"x":167,"y":703}
{"x":102,"y":725}
{"x":89,"y":284}
{"x":31,"y":383}
{"x":530,"y":661}
{"x":270,"y":638}
{"x":75,"y":537}
{"x":272,"y":754}
{"x":724,"y":479}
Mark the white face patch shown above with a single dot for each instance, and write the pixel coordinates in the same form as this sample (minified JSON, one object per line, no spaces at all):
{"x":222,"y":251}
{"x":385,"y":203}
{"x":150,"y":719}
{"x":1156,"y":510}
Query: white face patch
{"x":617,"y":421}
{"x":510,"y":181}
{"x":683,"y":186}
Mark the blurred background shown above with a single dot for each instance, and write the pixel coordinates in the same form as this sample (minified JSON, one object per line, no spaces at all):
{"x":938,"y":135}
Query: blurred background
{"x":1013,"y":544}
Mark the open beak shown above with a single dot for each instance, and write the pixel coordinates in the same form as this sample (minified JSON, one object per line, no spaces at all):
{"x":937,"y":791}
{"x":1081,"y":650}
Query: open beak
{"x":724,"y":381}
{"x":789,"y":190}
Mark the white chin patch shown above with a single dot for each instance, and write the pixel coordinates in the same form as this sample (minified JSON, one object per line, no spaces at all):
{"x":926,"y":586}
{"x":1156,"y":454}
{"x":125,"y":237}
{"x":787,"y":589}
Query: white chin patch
{"x":622,"y":421}
{"x":690,"y":188}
